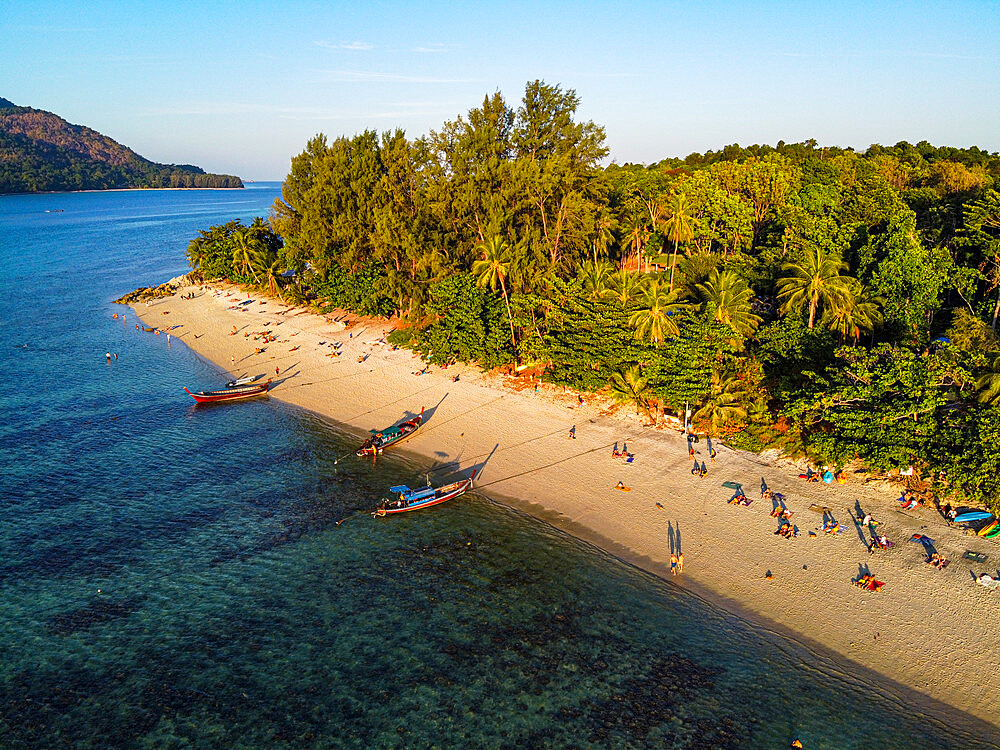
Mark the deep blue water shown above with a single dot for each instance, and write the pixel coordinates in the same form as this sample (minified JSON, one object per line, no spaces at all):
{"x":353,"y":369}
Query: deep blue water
{"x":173,"y":576}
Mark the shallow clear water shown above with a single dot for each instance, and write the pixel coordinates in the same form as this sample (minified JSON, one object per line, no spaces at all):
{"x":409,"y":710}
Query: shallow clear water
{"x":174,"y":575}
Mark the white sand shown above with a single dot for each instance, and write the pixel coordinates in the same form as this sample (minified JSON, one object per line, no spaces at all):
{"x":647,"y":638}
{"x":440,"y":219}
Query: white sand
{"x":931,"y":631}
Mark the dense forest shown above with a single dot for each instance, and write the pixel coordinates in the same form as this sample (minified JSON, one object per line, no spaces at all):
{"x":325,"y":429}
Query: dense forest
{"x":832,"y":304}
{"x":41,"y":152}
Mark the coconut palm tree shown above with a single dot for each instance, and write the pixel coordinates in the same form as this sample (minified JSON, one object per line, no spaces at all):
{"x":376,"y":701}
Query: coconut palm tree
{"x":679,"y":227}
{"x":628,"y":386}
{"x":658,"y":316}
{"x":723,"y":404}
{"x":730,"y":300}
{"x":246,"y":253}
{"x":596,"y":279}
{"x":813,"y":282}
{"x":988,"y":385}
{"x":493,"y":268}
{"x":625,"y":286}
{"x":272,"y":274}
{"x":858,"y":312}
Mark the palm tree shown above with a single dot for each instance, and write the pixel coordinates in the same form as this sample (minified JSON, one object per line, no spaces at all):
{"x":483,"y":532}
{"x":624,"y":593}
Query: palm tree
{"x":731,"y":300}
{"x":494,"y":267}
{"x":723,"y":404}
{"x":657,"y":318}
{"x":858,"y":312}
{"x":814,"y":281}
{"x":625,"y":285}
{"x":271,"y":276}
{"x":246,"y":253}
{"x":628,"y":386}
{"x":596,"y":279}
{"x":988,"y":385}
{"x":197,"y":250}
{"x":636,"y":238}
{"x":603,"y":238}
{"x":680,"y":228}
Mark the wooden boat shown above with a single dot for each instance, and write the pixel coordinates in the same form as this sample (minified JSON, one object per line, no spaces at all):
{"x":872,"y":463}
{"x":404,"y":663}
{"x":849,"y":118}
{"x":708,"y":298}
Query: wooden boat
{"x":230,"y":394}
{"x":421,"y":498}
{"x":382,"y":439}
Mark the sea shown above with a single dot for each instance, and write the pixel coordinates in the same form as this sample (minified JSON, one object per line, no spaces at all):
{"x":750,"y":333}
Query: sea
{"x":174,"y":575}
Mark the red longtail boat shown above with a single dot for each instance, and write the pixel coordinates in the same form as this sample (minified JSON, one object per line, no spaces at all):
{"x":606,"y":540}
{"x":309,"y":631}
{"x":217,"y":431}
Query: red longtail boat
{"x":230,"y":394}
{"x":421,"y":498}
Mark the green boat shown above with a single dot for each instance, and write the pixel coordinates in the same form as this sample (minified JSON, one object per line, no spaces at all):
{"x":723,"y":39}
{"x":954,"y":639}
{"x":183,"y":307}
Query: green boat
{"x":382,"y":439}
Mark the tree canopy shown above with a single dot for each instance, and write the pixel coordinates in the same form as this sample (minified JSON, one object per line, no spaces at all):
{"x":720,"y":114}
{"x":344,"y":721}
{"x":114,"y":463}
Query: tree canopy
{"x":836,"y":304}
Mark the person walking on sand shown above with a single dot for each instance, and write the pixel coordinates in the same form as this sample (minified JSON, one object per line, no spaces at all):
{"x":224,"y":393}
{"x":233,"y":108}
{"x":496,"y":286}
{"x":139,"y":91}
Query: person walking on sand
{"x":572,"y":432}
{"x":680,"y":563}
{"x":704,"y":469}
{"x":673,"y":564}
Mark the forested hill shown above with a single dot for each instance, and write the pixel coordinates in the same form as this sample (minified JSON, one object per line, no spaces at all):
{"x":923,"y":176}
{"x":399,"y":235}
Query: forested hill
{"x":40,"y":152}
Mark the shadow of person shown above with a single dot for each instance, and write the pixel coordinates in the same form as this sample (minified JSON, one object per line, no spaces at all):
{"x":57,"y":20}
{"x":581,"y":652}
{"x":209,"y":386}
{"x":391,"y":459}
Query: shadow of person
{"x":677,"y":536}
{"x":670,"y":538}
{"x":863,"y":570}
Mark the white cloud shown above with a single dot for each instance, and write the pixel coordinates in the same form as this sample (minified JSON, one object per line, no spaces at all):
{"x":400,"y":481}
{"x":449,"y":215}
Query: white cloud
{"x":352,"y":46}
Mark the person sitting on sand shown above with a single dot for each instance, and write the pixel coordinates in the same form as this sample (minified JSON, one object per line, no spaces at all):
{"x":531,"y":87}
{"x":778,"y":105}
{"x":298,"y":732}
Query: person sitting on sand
{"x":621,"y":486}
{"x":831,"y":527}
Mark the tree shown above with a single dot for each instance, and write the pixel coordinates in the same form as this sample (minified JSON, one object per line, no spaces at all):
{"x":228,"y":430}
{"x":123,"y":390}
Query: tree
{"x":628,"y":386}
{"x":988,"y":385}
{"x":625,"y":285}
{"x":596,"y":279}
{"x":723,"y":404}
{"x":982,"y":227}
{"x":858,"y":312}
{"x":813,"y":282}
{"x":493,"y":268}
{"x":679,"y":227}
{"x":658,"y":317}
{"x":730,"y":300}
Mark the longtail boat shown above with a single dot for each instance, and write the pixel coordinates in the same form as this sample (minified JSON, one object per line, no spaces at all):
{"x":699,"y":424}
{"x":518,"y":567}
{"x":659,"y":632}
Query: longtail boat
{"x":421,"y":498}
{"x":230,"y":394}
{"x":382,"y":439}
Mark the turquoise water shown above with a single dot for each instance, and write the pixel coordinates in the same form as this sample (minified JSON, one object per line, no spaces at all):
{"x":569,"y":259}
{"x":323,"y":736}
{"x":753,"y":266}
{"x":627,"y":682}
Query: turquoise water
{"x":174,"y":576}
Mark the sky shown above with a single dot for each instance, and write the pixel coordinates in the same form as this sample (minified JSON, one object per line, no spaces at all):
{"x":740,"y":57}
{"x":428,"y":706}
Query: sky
{"x":240,"y":87}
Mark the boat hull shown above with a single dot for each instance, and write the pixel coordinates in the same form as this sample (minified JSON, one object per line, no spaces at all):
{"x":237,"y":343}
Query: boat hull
{"x":443,"y":494}
{"x":391,"y":436}
{"x":230,"y":394}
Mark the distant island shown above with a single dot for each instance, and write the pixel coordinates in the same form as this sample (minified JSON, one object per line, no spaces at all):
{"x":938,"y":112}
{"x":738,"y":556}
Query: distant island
{"x":42,"y":152}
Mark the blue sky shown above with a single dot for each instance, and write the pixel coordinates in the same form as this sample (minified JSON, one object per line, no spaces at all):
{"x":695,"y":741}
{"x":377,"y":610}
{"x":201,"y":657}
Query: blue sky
{"x":239,"y":87}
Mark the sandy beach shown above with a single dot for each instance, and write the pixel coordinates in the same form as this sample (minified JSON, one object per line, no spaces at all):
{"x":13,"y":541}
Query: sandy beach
{"x":929,"y":634}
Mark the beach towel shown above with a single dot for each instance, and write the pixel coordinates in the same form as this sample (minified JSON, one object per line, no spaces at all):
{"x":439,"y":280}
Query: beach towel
{"x":820,"y":508}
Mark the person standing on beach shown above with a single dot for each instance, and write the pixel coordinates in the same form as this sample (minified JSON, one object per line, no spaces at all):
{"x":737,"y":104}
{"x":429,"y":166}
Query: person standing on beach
{"x":673,"y":564}
{"x":680,"y":563}
{"x":572,"y":432}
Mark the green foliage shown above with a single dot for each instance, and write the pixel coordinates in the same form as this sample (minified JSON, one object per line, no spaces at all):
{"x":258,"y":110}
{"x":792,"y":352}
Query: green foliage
{"x":499,"y":238}
{"x":470,"y":326}
{"x":41,"y":152}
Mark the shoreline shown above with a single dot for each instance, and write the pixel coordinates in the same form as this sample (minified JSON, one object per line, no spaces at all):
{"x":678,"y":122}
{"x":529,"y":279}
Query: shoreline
{"x":927,"y":634}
